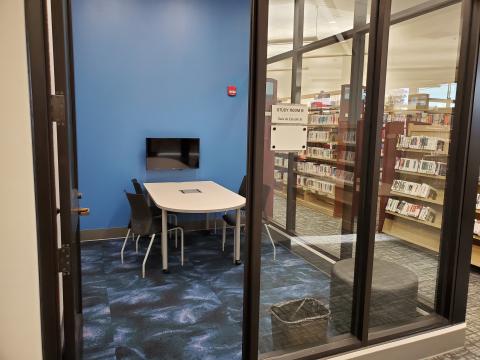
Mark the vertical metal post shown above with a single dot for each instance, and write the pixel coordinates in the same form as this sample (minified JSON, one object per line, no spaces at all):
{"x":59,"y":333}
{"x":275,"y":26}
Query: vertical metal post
{"x":296,"y":86}
{"x":355,"y":101}
{"x":296,"y":95}
{"x":462,"y":175}
{"x":370,"y":172}
{"x":256,"y":127}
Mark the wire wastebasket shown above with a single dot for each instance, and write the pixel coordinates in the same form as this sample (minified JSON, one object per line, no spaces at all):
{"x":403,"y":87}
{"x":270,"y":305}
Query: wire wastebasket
{"x":298,"y":323}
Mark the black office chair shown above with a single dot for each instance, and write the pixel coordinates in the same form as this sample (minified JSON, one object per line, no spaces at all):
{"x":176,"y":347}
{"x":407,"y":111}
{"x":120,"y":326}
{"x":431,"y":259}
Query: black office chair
{"x":155,"y":211}
{"x":138,"y":188}
{"x":242,"y":190}
{"x":230,"y":218}
{"x":143,"y":223}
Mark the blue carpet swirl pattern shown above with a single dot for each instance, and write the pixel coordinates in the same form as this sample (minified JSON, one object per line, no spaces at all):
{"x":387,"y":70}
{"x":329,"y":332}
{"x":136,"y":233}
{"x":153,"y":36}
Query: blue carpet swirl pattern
{"x":194,"y":312}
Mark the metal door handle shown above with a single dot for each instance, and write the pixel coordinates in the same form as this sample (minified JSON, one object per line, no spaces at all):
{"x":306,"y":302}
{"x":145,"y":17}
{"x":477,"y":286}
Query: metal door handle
{"x":83,"y":211}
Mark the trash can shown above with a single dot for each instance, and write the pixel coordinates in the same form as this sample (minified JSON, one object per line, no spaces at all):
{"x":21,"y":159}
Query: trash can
{"x":298,"y":323}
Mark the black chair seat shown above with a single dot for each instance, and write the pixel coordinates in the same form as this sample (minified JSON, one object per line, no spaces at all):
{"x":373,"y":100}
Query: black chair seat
{"x":231,"y":219}
{"x":156,"y":227}
{"x":156,"y":211}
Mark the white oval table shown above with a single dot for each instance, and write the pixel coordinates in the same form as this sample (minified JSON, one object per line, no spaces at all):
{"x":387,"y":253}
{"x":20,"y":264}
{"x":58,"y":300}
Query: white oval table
{"x":194,"y":197}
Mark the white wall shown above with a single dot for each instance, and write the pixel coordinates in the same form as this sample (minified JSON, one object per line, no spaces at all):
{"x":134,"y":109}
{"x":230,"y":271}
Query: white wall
{"x":20,"y":336}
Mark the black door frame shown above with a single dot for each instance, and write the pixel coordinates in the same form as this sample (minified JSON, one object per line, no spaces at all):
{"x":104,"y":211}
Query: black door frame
{"x":454,"y":271}
{"x":44,"y":176}
{"x":63,"y":75}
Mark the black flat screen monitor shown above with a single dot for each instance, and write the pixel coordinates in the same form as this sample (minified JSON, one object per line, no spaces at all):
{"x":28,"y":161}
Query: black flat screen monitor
{"x":173,"y":153}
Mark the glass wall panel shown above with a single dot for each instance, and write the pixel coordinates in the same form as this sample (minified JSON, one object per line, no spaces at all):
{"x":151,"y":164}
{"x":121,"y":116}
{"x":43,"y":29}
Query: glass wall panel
{"x":280,"y":26}
{"x":275,"y":174}
{"x":419,"y":111}
{"x":315,"y":196}
{"x":403,"y":5}
{"x":326,"y":18}
{"x":327,"y":171}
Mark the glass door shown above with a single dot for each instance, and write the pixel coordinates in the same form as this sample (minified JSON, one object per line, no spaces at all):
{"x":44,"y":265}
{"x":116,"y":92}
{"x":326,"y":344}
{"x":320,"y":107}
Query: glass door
{"x":312,"y":217}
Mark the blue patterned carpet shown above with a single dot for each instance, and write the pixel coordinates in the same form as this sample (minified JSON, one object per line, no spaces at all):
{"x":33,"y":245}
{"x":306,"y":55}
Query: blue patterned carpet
{"x":194,"y":312}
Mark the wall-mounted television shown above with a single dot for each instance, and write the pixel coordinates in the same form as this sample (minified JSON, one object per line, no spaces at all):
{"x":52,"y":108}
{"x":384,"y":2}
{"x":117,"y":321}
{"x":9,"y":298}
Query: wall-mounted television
{"x":173,"y":153}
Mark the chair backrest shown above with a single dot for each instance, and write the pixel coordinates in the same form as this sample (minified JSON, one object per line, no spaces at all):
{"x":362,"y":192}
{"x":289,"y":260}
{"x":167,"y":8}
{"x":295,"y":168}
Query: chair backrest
{"x":136,"y":185}
{"x":242,"y":190}
{"x":141,"y":217}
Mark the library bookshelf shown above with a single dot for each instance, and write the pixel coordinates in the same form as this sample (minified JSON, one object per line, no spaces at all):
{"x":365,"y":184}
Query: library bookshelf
{"x":325,"y":171}
{"x":410,"y":228}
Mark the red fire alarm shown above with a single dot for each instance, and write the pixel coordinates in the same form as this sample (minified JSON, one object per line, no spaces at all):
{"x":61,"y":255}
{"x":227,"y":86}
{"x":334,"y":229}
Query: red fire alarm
{"x":232,"y":90}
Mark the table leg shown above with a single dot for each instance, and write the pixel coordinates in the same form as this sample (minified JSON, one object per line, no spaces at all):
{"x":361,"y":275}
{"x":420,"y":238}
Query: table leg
{"x":237,"y":237}
{"x":164,"y":241}
{"x":207,"y":221}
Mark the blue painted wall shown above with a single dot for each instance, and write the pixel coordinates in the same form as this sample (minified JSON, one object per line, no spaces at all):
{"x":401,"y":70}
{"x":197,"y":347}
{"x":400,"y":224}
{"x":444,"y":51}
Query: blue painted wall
{"x":157,"y":68}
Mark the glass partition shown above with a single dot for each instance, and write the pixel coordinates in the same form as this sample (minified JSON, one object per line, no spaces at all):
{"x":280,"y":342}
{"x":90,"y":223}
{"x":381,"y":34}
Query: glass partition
{"x":313,"y":194}
{"x":275,"y":173}
{"x":329,"y":18}
{"x":280,"y":26}
{"x":419,"y":112}
{"x":315,"y":191}
{"x":327,"y":172}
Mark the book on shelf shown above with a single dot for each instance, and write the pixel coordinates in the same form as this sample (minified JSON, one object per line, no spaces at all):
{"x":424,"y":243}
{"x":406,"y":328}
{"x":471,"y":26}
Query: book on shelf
{"x":316,"y":185}
{"x":476,"y":227}
{"x":419,"y":116}
{"x":280,"y":176}
{"x":323,"y":119}
{"x":477,"y":206}
{"x":421,"y":166}
{"x":325,"y":136}
{"x":421,"y":143}
{"x":416,"y":211}
{"x":349,"y":137}
{"x":416,"y":189}
{"x":327,"y":171}
{"x":348,"y":156}
{"x":282,"y":162}
{"x":322,"y":153}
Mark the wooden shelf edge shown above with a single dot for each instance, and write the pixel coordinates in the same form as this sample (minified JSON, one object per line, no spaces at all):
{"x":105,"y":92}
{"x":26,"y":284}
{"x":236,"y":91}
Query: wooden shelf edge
{"x":431,"y":201}
{"x":439,"y":177}
{"x":423,"y":151}
{"x":435,"y":224}
{"x":418,"y":243}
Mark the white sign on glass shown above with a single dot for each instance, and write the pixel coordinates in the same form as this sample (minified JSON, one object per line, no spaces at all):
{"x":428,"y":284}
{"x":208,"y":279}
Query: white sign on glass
{"x":290,"y":114}
{"x":288,"y":137}
{"x":289,"y":131}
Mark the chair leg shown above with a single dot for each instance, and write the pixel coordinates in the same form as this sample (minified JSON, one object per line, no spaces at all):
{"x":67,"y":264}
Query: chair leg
{"x":146,"y":255}
{"x":175,"y":221}
{"x":271,"y":240}
{"x":181,"y":245}
{"x":224,"y":235}
{"x":136,"y":243}
{"x":124,"y":243}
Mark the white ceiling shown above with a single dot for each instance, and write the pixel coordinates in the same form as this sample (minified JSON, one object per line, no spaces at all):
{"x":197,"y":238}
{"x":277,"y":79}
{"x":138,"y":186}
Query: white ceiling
{"x":422,"y":51}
